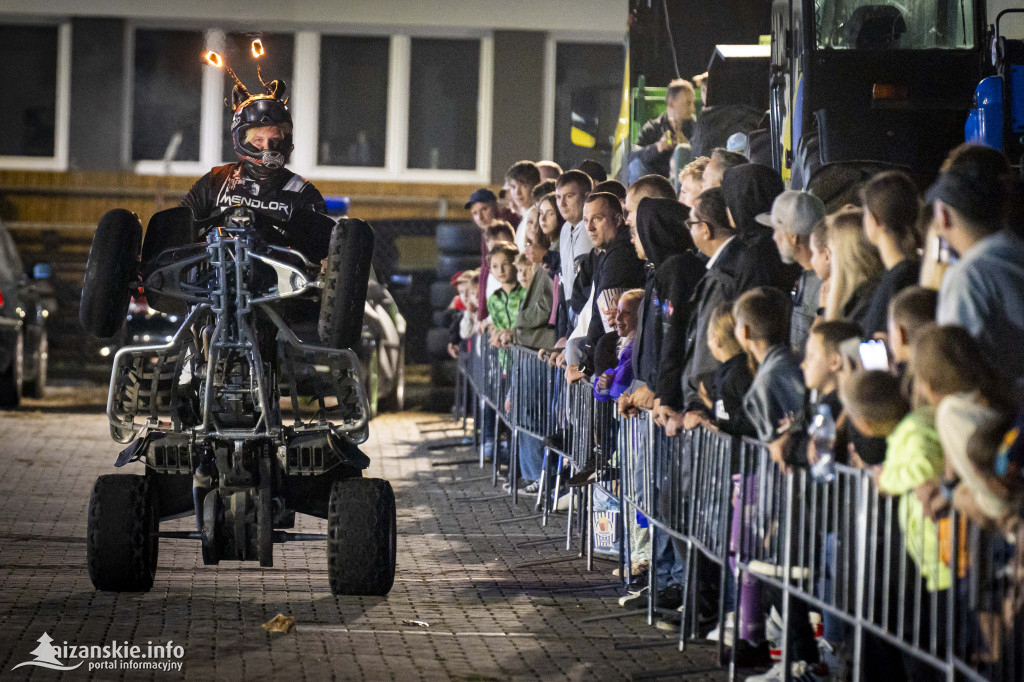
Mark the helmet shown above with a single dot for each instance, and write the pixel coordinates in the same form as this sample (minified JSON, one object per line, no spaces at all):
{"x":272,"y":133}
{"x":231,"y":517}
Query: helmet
{"x":258,"y":111}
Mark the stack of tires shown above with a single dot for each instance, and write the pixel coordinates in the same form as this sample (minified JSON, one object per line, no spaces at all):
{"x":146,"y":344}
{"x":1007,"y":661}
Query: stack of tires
{"x":458,"y":249}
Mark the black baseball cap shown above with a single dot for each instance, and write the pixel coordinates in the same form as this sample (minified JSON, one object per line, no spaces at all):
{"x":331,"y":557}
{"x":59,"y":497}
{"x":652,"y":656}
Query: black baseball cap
{"x":481,"y":195}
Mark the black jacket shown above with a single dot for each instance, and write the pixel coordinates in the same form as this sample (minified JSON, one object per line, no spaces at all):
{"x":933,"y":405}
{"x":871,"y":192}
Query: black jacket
{"x":617,"y":266}
{"x":749,"y":190}
{"x":728,"y":385}
{"x":673,"y":270}
{"x":646,"y":148}
{"x":899,"y":277}
{"x":728,"y":277}
{"x":278,"y":197}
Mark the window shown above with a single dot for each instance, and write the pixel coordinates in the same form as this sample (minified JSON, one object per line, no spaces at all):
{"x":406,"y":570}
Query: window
{"x":276,"y":63}
{"x":888,"y":25}
{"x":167,"y":93}
{"x":353,"y":101}
{"x":28,"y":80}
{"x":35,"y":81}
{"x":443,"y":93}
{"x":588,"y":74}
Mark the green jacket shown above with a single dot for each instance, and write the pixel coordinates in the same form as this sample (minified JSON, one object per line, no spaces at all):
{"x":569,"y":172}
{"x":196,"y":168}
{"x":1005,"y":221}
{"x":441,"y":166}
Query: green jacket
{"x":503,"y":307}
{"x":913,"y":456}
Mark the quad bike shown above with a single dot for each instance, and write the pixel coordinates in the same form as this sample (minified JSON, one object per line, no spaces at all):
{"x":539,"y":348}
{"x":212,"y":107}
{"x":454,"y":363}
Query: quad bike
{"x":237,"y":419}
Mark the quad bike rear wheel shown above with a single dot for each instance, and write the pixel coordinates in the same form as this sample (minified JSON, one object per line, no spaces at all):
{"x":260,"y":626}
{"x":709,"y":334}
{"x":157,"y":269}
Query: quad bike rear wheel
{"x":122,"y":540}
{"x":361,"y":537}
{"x":112,"y":267}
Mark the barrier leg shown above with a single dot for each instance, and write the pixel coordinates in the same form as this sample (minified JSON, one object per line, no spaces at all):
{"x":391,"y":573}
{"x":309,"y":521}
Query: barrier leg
{"x":495,"y":454}
{"x":568,"y":519}
{"x":542,"y":490}
{"x":589,"y":530}
{"x":513,"y":463}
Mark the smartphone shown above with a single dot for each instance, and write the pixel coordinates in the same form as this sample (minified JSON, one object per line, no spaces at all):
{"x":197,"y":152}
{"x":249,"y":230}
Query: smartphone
{"x":874,"y":355}
{"x":850,"y":351}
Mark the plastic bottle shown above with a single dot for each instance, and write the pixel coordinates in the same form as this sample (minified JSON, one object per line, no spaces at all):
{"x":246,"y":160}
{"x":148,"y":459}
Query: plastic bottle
{"x":823,"y":434}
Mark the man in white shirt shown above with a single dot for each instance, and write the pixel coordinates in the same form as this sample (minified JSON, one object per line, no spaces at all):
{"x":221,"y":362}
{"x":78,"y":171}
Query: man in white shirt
{"x":571,"y":192}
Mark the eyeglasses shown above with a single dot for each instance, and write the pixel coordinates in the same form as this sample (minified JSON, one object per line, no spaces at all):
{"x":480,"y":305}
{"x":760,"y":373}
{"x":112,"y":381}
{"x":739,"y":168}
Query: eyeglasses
{"x":691,"y":222}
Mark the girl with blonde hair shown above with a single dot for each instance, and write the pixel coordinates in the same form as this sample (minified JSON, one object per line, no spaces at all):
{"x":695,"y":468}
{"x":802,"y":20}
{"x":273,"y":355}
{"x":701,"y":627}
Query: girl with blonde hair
{"x":856,"y":267}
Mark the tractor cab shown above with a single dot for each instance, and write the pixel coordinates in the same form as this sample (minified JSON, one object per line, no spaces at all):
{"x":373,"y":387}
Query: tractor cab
{"x":871,"y":82}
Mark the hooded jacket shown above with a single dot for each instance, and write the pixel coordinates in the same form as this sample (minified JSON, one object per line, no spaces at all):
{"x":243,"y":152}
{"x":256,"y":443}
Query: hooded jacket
{"x":749,"y":190}
{"x":673,"y":270}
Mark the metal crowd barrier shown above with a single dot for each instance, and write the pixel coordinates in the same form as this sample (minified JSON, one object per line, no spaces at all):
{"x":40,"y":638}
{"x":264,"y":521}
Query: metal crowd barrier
{"x":834,"y":547}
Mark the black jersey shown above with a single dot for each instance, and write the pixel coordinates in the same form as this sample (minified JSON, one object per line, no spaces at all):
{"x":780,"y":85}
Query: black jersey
{"x":278,"y":197}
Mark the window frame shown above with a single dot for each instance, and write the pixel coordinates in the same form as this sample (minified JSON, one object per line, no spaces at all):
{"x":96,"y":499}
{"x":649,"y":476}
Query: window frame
{"x":62,"y":105}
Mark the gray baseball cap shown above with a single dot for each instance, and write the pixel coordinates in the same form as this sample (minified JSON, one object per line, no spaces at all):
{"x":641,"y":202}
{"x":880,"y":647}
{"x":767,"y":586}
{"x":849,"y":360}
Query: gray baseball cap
{"x":794,"y":211}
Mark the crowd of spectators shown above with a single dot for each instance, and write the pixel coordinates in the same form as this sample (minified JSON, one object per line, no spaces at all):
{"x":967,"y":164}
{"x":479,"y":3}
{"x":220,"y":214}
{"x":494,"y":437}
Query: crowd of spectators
{"x":734,"y":304}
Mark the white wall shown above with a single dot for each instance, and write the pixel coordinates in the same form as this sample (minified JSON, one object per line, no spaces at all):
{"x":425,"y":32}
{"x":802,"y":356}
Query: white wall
{"x":1012,"y":25}
{"x":602,"y":18}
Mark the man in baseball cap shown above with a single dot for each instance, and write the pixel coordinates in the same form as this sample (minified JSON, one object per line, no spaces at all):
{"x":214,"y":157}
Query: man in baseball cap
{"x":792,"y":219}
{"x":483,"y":205}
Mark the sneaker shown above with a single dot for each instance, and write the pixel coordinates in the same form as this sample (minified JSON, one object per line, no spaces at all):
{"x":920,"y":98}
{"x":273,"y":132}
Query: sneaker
{"x":832,"y":656}
{"x":776,"y":570}
{"x":773,"y":627}
{"x":532,"y":488}
{"x":749,"y":655}
{"x":669,"y":597}
{"x":635,"y":600}
{"x":801,"y":671}
{"x":669,"y":623}
{"x":521,"y":483}
{"x":730,"y":629}
{"x":584,"y":476}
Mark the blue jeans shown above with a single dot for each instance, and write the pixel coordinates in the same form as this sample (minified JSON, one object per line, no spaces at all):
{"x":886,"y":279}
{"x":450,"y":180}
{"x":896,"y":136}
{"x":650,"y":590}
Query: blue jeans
{"x":531,"y":457}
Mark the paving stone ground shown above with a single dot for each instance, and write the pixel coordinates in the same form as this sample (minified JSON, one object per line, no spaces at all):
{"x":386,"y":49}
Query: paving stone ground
{"x":489,"y":617}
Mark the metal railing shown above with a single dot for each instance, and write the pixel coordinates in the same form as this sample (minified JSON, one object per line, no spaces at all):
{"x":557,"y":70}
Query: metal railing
{"x":938,"y":595}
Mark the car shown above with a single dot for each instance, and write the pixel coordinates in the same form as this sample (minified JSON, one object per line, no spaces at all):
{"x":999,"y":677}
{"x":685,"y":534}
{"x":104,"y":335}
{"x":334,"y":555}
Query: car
{"x":382,"y":350}
{"x":237,"y":419}
{"x":25,"y":305}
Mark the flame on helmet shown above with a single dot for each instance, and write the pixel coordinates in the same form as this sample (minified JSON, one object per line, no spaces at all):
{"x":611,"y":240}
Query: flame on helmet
{"x":257,"y":48}
{"x":214,"y":59}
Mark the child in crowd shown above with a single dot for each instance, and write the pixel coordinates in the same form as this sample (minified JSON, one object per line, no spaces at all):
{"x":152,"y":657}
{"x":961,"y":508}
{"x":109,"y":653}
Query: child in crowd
{"x":467,"y":284}
{"x":912,"y":465}
{"x":731,"y":379}
{"x":954,"y":376}
{"x":614,"y":381}
{"x":775,"y":397}
{"x":762,"y":330}
{"x":909,"y":311}
{"x":532,"y":328}
{"x":503,"y":304}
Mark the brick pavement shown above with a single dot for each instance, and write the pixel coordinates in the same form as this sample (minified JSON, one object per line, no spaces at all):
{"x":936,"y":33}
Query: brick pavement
{"x":489,"y":619}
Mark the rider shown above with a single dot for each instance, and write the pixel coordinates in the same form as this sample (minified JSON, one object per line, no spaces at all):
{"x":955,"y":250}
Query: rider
{"x":261,"y":132}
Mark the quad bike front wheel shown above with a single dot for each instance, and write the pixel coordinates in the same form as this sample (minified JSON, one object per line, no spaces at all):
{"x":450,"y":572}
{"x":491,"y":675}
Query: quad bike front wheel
{"x":122,"y":540}
{"x":361,"y":534}
{"x":347,"y":275}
